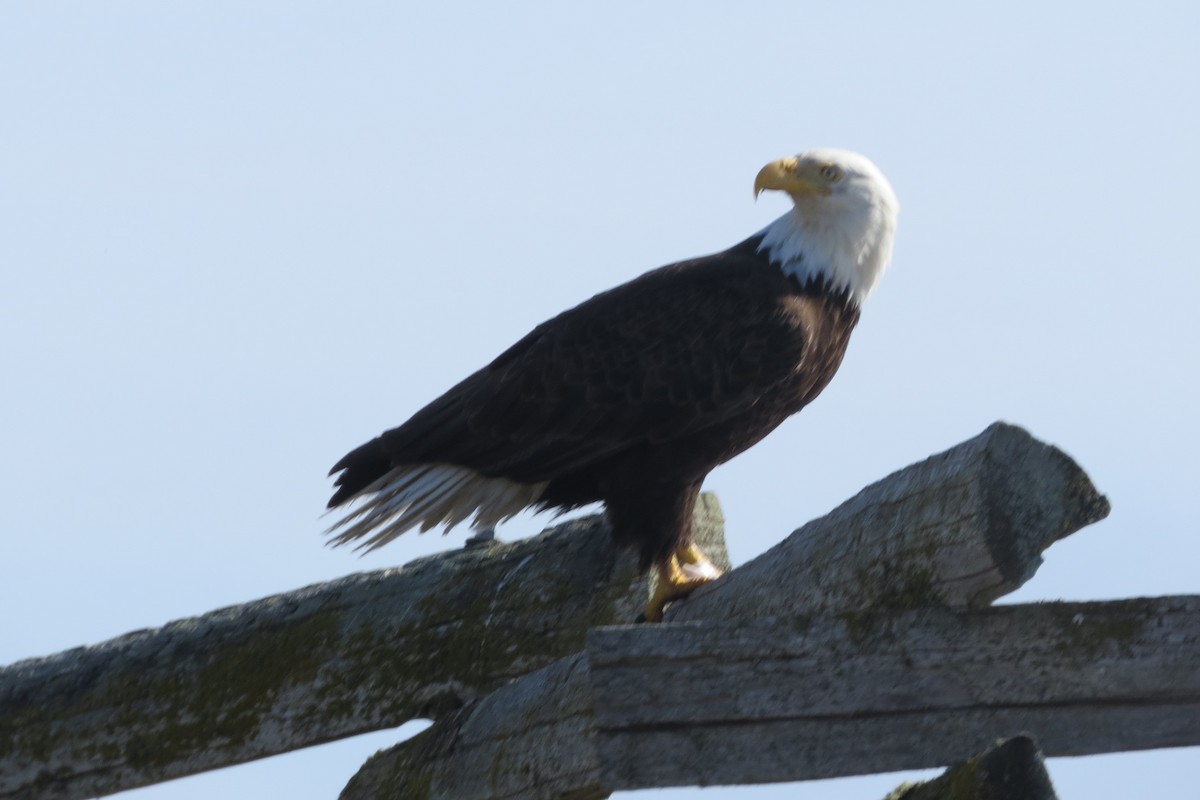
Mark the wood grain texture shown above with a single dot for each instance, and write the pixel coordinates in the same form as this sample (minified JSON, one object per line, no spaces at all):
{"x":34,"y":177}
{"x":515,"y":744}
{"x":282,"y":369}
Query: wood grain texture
{"x":785,"y":700}
{"x":958,"y":529}
{"x":366,"y":652}
{"x":799,"y":699}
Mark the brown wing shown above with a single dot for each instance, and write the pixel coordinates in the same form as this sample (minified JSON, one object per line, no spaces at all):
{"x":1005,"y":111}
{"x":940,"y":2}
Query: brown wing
{"x":666,"y":355}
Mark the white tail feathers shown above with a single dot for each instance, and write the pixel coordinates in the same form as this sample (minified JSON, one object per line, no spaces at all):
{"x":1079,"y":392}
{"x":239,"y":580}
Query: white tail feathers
{"x":429,"y":495}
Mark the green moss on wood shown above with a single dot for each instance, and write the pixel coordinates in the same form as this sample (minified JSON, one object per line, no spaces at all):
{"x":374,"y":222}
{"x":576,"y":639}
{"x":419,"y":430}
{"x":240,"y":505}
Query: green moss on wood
{"x":1087,"y":637}
{"x":912,"y":589}
{"x":227,"y":700}
{"x":960,"y":782}
{"x":171,"y":700}
{"x":901,"y":792}
{"x":858,"y":624}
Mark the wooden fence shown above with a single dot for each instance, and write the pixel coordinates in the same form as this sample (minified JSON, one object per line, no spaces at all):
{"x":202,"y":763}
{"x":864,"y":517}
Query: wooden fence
{"x":864,"y":642}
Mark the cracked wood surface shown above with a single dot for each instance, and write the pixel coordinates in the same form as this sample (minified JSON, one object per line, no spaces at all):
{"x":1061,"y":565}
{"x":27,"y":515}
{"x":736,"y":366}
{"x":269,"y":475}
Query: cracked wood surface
{"x":362,"y":653}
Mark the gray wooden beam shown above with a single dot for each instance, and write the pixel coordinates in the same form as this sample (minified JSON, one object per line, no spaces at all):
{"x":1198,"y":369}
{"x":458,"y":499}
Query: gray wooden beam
{"x":825,"y":697}
{"x":366,"y":652}
{"x":958,"y":529}
{"x":799,"y":699}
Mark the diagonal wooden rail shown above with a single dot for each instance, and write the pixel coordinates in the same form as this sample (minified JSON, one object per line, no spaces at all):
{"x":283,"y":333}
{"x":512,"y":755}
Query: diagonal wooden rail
{"x":362,"y":653}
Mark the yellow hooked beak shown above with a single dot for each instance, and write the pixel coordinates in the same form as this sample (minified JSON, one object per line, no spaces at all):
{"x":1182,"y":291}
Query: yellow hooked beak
{"x":789,"y":175}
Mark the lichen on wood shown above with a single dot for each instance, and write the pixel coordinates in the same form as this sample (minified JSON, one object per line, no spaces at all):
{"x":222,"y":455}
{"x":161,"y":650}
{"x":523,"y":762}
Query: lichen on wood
{"x":1011,"y":769}
{"x":362,"y":653}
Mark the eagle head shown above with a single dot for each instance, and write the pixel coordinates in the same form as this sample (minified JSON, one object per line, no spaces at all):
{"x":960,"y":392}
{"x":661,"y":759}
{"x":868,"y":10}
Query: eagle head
{"x":842,"y":224}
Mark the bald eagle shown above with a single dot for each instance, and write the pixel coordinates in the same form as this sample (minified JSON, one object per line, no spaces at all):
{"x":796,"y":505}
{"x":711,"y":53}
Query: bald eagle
{"x":633,"y":396}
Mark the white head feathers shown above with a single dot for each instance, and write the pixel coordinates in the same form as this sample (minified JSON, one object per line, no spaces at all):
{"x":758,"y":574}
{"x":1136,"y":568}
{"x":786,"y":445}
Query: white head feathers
{"x":843,"y":223}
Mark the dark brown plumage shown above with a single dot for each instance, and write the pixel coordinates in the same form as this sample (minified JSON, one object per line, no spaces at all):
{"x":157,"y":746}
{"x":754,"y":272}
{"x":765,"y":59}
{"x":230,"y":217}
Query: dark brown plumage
{"x":632,"y":397}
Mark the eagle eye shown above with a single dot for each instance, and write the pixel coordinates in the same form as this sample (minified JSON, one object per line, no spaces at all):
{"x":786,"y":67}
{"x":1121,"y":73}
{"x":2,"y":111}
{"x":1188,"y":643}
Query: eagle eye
{"x":831,"y":173}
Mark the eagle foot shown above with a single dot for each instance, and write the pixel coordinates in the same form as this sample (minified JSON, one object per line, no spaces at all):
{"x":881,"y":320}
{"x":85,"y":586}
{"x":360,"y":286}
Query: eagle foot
{"x":687,"y":570}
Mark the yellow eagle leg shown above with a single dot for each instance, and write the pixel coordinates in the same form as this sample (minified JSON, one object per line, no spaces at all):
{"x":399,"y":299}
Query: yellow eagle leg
{"x":687,"y":570}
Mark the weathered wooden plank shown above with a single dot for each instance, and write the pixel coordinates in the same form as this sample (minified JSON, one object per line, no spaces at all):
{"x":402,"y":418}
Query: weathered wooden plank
{"x":958,"y":529}
{"x":792,"y":700}
{"x":787,"y":700}
{"x":366,"y":652}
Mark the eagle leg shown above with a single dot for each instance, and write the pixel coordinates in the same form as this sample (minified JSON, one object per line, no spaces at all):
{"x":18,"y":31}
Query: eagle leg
{"x":685,"y":571}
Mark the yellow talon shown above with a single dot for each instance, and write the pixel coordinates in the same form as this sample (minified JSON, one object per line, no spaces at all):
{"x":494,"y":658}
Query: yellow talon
{"x":686,"y":570}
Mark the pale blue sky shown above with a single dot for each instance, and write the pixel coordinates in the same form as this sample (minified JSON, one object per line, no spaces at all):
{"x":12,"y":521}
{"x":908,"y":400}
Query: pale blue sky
{"x":240,"y":239}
